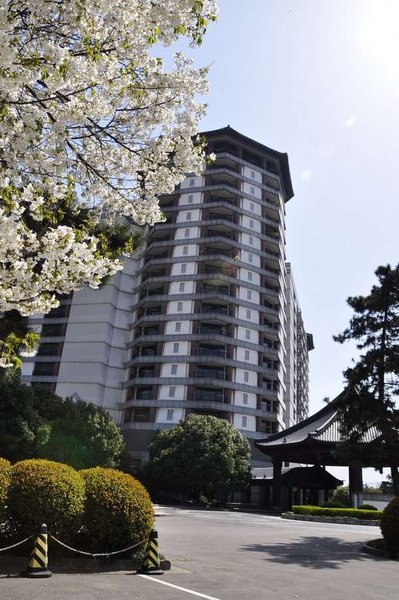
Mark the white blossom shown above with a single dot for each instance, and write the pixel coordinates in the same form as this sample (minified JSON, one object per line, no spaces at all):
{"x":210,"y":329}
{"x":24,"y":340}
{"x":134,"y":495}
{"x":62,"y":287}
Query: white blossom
{"x":86,"y":104}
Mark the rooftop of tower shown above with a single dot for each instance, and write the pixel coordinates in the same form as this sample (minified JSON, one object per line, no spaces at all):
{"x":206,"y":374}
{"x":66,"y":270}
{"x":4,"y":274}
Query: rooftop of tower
{"x":281,"y":157}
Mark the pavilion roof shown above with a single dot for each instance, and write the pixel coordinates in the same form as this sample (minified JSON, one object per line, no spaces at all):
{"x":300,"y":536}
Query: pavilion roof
{"x":321,"y":431}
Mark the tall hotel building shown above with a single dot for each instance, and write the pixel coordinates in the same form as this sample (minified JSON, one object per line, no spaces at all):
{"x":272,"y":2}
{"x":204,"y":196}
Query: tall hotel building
{"x":205,"y":320}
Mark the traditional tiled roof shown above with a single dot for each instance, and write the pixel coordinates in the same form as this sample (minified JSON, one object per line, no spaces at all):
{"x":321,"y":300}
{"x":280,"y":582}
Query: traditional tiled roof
{"x":323,"y":426}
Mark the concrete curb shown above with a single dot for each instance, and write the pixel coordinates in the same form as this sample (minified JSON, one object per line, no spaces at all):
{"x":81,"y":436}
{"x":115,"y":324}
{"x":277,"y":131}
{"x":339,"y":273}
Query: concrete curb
{"x":325,"y":519}
{"x":16,"y":564}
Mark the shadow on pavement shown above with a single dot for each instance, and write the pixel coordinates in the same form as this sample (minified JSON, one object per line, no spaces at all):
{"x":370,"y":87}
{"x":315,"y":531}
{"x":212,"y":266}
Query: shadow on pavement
{"x":311,"y":552}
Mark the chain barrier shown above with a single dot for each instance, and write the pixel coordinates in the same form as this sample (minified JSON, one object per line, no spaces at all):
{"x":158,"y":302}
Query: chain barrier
{"x":17,"y":544}
{"x":97,"y":554}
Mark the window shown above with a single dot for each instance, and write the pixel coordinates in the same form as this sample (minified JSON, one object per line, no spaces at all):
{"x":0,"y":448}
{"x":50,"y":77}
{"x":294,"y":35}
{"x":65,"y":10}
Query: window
{"x":252,"y":207}
{"x":248,"y":315}
{"x":48,"y":349}
{"x":52,"y":330}
{"x":190,"y":199}
{"x":247,"y":334}
{"x":267,"y":405}
{"x":252,"y":174}
{"x":175,"y":347}
{"x":139,"y":415}
{"x":244,"y":421}
{"x":246,"y":355}
{"x":44,"y":368}
{"x":185,"y":250}
{"x":179,"y":306}
{"x":172,"y":391}
{"x":246,"y":376}
{"x":183,"y":268}
{"x":252,"y":190}
{"x":251,"y":223}
{"x":177,"y":329}
{"x":249,"y":275}
{"x":245,"y":398}
{"x":191,"y":183}
{"x":186,"y":233}
{"x":250,"y":257}
{"x":251,"y":240}
{"x":249,"y":295}
{"x":173,"y":370}
{"x":169,"y":414}
{"x":181,"y":287}
{"x":188,"y":216}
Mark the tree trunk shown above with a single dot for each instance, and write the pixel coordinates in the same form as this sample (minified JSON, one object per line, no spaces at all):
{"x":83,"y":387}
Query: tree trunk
{"x":395,"y":480}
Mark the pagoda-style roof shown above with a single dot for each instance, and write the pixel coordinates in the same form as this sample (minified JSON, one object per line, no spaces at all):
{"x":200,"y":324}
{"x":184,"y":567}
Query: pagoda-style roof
{"x":316,"y":439}
{"x":295,"y":475}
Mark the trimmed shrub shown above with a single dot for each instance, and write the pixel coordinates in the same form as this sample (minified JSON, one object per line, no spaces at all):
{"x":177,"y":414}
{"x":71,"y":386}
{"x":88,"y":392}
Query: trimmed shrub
{"x":390,"y":525}
{"x":42,"y":491}
{"x":367,"y":507}
{"x":353,"y":513}
{"x":333,"y":504}
{"x":5,"y":477}
{"x":118,"y":509}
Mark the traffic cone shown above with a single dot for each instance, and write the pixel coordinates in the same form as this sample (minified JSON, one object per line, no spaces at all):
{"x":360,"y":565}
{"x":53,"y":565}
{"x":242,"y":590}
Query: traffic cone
{"x":37,"y":565}
{"x":152,"y":564}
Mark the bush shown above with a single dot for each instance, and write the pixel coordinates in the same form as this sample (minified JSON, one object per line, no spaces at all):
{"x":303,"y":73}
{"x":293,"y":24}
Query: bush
{"x":341,"y":495}
{"x":333,"y":504}
{"x":5,"y":477}
{"x":353,"y":513}
{"x":42,"y":491}
{"x":367,"y":507}
{"x":118,"y":508}
{"x":390,"y":525}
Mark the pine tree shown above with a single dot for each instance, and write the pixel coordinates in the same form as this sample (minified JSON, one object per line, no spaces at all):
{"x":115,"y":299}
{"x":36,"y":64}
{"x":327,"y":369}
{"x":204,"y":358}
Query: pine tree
{"x":375,"y":374}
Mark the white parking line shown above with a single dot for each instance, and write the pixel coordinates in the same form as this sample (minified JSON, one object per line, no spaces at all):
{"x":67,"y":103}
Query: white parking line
{"x":177,"y":587}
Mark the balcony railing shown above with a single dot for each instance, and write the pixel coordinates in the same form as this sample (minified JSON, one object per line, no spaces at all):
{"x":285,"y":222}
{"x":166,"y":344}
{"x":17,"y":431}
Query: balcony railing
{"x":212,"y":351}
{"x":211,"y":329}
{"x":215,"y":270}
{"x":211,"y":373}
{"x":220,"y":310}
{"x":216,"y":289}
{"x":223,"y":216}
{"x":218,"y":233}
{"x":221,"y":251}
{"x":221,"y":199}
{"x":209,"y":396}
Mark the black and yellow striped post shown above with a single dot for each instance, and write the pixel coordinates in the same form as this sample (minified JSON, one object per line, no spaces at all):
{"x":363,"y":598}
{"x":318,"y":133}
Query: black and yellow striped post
{"x":152,"y":564}
{"x":38,"y":561}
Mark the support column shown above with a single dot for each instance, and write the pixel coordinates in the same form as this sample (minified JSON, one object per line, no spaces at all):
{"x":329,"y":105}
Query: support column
{"x":355,"y":483}
{"x":277,"y":464}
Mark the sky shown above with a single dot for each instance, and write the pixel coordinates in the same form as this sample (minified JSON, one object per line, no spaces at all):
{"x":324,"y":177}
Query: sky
{"x":319,"y":79}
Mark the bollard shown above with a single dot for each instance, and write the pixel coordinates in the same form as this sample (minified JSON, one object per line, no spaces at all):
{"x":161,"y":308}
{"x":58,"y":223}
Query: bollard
{"x":152,"y":564}
{"x":38,"y":561}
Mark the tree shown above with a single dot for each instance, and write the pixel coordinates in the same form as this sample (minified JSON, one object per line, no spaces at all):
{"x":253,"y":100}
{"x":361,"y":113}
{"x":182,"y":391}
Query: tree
{"x":22,"y":429}
{"x":35,"y":423}
{"x":375,"y":374}
{"x":93,"y":128}
{"x":82,"y":435}
{"x":201,"y":455}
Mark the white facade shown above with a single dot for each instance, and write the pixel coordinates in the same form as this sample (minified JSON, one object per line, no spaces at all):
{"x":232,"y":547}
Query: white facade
{"x":198,"y":323}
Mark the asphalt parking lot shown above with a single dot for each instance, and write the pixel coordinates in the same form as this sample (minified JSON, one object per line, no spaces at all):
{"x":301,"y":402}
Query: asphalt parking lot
{"x":231,"y":556}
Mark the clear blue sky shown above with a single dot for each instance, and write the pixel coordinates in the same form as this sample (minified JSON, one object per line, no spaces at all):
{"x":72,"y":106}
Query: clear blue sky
{"x":319,"y":79}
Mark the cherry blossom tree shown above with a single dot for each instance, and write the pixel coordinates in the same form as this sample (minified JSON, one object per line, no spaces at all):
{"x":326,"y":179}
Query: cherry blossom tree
{"x":93,"y":128}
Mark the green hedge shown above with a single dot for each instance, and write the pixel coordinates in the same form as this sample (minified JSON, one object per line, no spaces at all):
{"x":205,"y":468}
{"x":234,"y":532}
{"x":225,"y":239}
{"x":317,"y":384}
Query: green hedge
{"x":354,"y":513}
{"x":42,"y":491}
{"x":390,"y":525}
{"x":118,"y":508}
{"x":5,"y":477}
